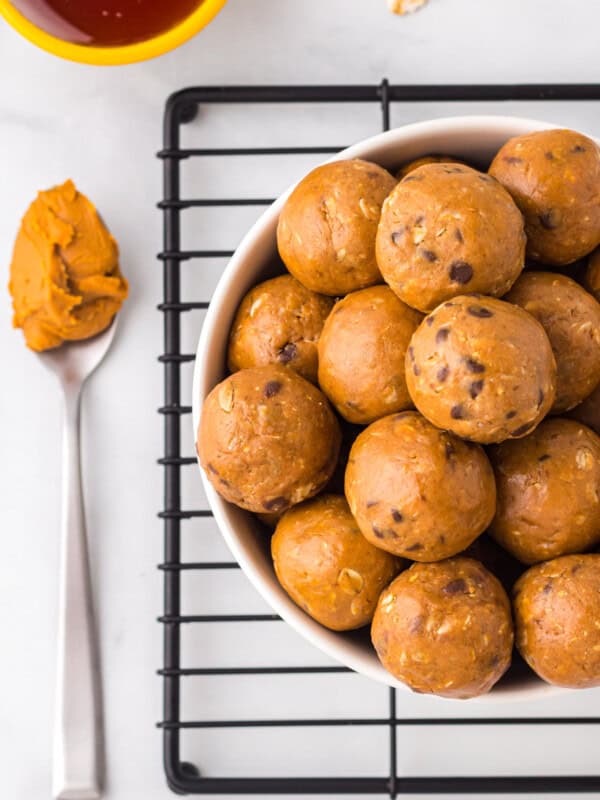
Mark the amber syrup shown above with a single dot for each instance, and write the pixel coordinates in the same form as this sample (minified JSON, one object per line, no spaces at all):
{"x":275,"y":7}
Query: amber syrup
{"x":106,"y":23}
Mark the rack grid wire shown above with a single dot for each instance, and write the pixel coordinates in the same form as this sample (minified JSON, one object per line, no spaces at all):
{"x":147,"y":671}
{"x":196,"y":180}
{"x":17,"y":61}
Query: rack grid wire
{"x":183,"y":777}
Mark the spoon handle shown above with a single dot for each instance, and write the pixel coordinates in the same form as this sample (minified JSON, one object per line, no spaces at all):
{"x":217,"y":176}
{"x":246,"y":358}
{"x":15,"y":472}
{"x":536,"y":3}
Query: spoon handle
{"x":78,"y":730}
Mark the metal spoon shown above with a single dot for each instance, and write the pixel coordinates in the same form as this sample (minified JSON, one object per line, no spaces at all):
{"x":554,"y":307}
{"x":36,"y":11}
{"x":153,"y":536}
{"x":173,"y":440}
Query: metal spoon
{"x":78,"y":745}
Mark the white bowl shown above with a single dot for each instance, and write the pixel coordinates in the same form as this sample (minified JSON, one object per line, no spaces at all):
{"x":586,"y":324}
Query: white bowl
{"x":476,"y":138}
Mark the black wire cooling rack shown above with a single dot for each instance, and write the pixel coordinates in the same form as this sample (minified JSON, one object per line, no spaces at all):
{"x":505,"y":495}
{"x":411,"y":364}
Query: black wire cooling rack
{"x":182,"y":776}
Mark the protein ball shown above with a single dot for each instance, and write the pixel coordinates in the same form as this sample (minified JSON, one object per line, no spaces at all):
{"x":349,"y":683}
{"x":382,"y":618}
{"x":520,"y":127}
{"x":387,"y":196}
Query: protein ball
{"x":591,"y":277}
{"x":416,"y":491}
{"x":554,"y":178}
{"x":279,"y":322}
{"x":326,"y":231}
{"x":445,"y":628}
{"x":267,"y":439}
{"x":557,"y":620}
{"x":411,"y":166}
{"x":362,"y":351}
{"x":548,"y":491}
{"x":447,"y":229}
{"x":327,"y":566}
{"x":588,"y":411}
{"x":571,"y":318}
{"x":481,"y":368}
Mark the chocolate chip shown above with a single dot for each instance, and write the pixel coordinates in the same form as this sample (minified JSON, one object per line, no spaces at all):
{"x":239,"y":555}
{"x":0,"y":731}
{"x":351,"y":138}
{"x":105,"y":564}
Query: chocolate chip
{"x":549,"y":155}
{"x":442,"y":374}
{"x":442,"y":538}
{"x":371,"y":503}
{"x":272,"y":388}
{"x":213,"y":469}
{"x":351,"y":404}
{"x":458,"y":235}
{"x":386,"y":533}
{"x":452,"y":170}
{"x":442,"y":335}
{"x":494,"y":661}
{"x":410,"y":177}
{"x":579,"y":148}
{"x":276,"y":504}
{"x":544,"y":457}
{"x":401,"y":415}
{"x":475,"y":389}
{"x":541,"y":397}
{"x":550,"y":220}
{"x":511,"y":414}
{"x":417,"y":623}
{"x":457,"y":412}
{"x":513,"y":160}
{"x":428,"y":255}
{"x":414,"y":547}
{"x":523,"y":429}
{"x":429,"y":320}
{"x":460,"y":272}
{"x":415,"y":366}
{"x":398,"y":235}
{"x":225,"y":483}
{"x":576,"y":568}
{"x":419,"y":219}
{"x":480,"y":311}
{"x":396,"y":515}
{"x":449,"y":305}
{"x":473,"y":365}
{"x":547,"y":588}
{"x":449,"y":450}
{"x":288,"y":353}
{"x":377,"y":531}
{"x":485,"y":178}
{"x":457,"y":586}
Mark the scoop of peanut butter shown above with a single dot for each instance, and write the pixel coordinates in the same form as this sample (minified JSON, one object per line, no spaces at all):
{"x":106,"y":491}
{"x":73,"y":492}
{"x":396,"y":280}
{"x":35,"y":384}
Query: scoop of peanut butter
{"x":65,"y":279}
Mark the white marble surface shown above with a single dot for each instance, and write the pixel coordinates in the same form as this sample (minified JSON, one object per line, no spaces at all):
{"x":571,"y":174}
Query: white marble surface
{"x":102,"y":127}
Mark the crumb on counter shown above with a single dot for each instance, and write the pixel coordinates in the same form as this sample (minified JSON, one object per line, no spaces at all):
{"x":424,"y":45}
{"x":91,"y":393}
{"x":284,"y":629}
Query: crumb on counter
{"x":402,"y":7}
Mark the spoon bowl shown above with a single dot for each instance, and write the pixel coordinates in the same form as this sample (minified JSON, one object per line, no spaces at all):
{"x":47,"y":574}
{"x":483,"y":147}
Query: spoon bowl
{"x":73,"y":362}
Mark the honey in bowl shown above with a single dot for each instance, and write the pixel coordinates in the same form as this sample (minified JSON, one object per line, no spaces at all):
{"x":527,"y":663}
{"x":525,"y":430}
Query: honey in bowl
{"x":106,"y":23}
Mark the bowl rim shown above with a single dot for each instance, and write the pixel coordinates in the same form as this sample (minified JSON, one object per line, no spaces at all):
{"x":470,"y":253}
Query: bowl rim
{"x":329,"y":642}
{"x":117,"y":55}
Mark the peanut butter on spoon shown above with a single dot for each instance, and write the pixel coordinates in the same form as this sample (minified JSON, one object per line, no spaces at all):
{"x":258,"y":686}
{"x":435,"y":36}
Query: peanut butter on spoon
{"x":65,"y":279}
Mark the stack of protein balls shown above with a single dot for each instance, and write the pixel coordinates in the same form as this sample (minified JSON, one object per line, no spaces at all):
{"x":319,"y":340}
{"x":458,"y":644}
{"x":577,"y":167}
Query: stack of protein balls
{"x":391,"y":304}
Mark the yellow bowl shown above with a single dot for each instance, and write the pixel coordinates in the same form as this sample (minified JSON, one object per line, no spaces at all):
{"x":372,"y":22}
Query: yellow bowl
{"x":111,"y":56}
